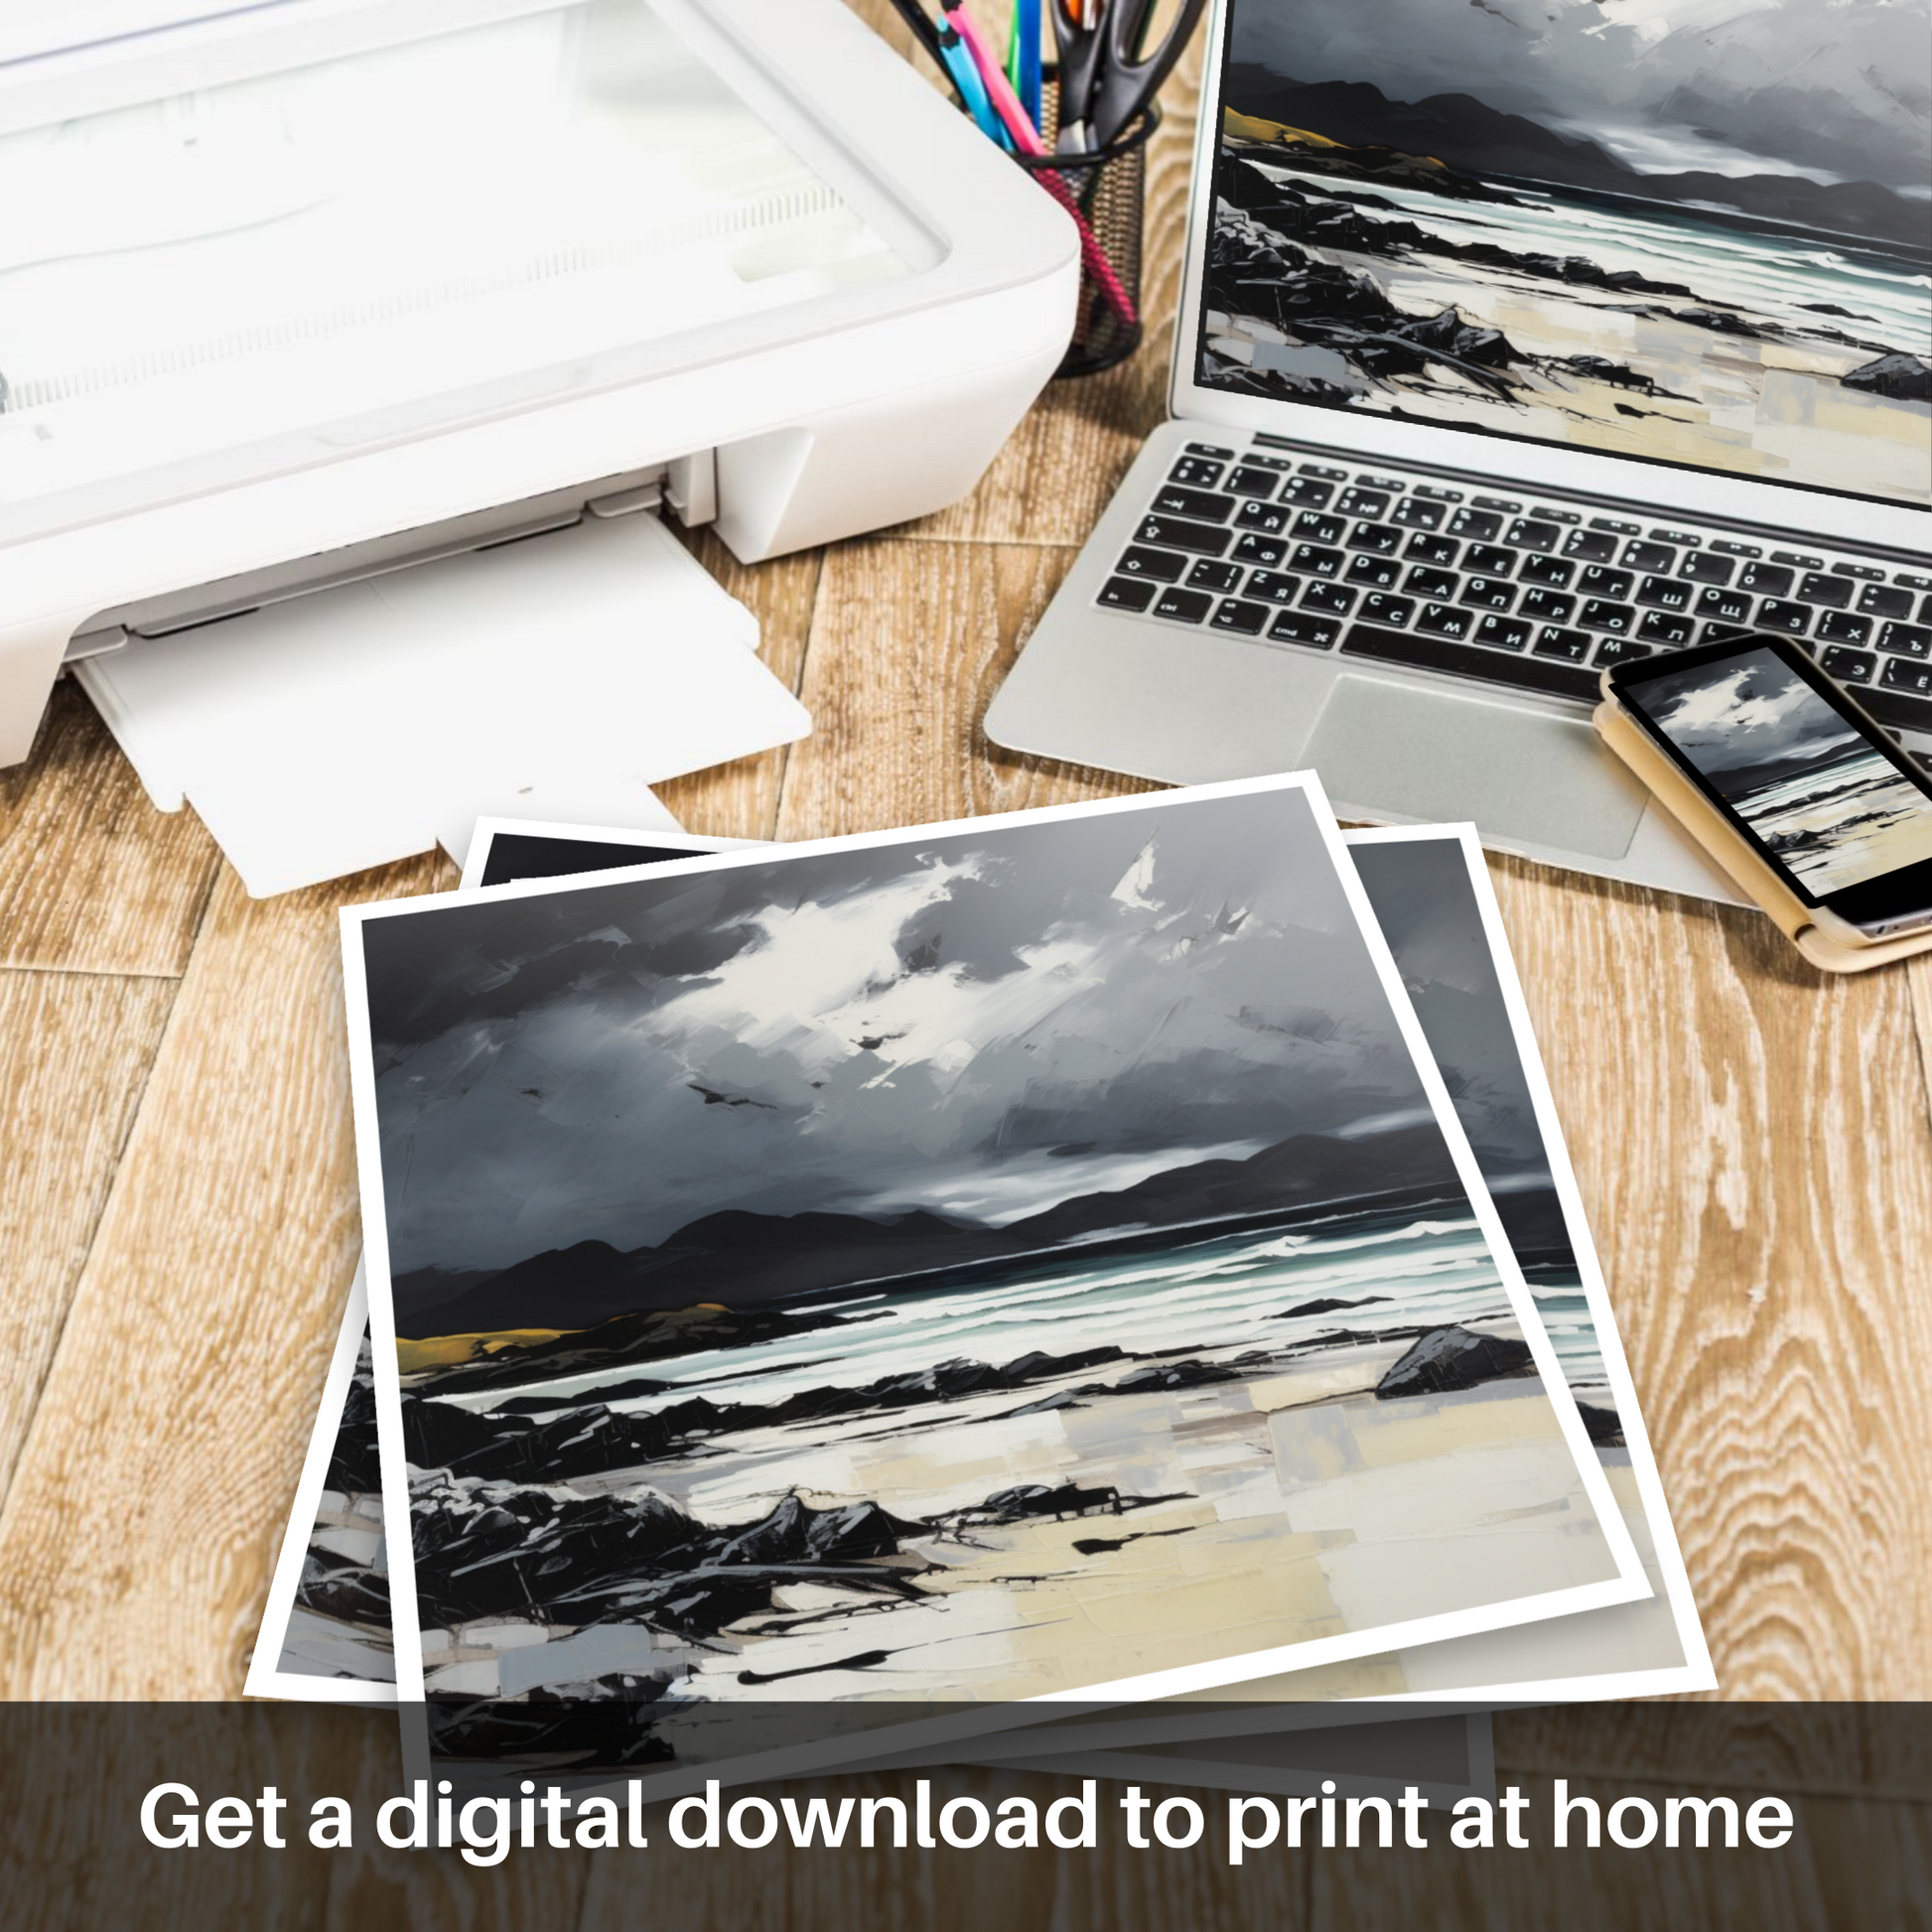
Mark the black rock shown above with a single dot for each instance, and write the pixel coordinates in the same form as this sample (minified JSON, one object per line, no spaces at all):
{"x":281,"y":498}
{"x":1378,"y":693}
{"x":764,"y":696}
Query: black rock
{"x":1901,"y":378}
{"x":337,"y":1587}
{"x":1327,"y":1304}
{"x":795,"y":1532}
{"x":1604,"y":1425}
{"x":1043,"y":1499}
{"x":1037,"y":1366}
{"x":1446,"y":1359}
{"x":1174,"y":1375}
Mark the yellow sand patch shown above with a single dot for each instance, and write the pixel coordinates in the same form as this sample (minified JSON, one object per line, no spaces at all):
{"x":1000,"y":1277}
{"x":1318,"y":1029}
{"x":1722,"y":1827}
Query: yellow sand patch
{"x":441,"y":1351}
{"x":1249,"y":128}
{"x":1463,"y":1424}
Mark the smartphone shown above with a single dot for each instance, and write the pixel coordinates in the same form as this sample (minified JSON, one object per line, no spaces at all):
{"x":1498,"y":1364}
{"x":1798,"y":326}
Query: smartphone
{"x":1815,"y":789}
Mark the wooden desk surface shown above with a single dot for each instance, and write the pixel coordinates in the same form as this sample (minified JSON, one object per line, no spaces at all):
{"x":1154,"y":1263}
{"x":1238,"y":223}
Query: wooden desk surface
{"x":178,"y":1221}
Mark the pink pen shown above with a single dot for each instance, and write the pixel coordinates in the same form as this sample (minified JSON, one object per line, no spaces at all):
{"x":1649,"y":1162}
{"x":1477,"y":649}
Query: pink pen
{"x":1026,"y":138}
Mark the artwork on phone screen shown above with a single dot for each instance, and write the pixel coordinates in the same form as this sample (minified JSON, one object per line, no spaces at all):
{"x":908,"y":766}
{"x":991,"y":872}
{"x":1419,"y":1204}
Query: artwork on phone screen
{"x":1833,"y":810}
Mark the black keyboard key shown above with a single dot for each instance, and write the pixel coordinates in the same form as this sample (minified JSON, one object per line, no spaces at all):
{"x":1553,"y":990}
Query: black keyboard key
{"x":1161,"y":565}
{"x":1618,"y":650}
{"x":1591,"y":546}
{"x":1488,"y":593}
{"x":1298,"y":628}
{"x":1252,"y":549}
{"x":1481,"y":524}
{"x":1532,"y":534}
{"x":1210,"y":449}
{"x":1468,"y":660}
{"x":1184,"y":606}
{"x":1881,"y":600}
{"x":1833,"y":593}
{"x":1911,"y":580}
{"x":1601,"y":614}
{"x":1648,"y":556}
{"x":1780,"y":613}
{"x":1618,"y":528}
{"x":1797,"y":560}
{"x":1547,"y":607}
{"x":1489,"y":560}
{"x":1907,"y":640}
{"x":1507,"y":504}
{"x":1700,"y":567}
{"x":1768,"y":579}
{"x":1439,"y":496}
{"x":1925,"y":612}
{"x":1433,"y":583}
{"x":1196,"y":472}
{"x":1598,"y":582}
{"x":1732,"y":549}
{"x":1127,"y":593}
{"x":1236,"y":615}
{"x":1312,"y":527}
{"x":1841,"y":627}
{"x":1377,"y":572}
{"x":1724,"y":633}
{"x":1170,"y":500}
{"x":1664,"y":594}
{"x":1379,"y":607}
{"x":1282,"y":464}
{"x":1848,"y":666}
{"x":1271,"y":519}
{"x":1417,"y":514}
{"x":1896,"y":709}
{"x":1573,"y":646}
{"x":1445,"y":620}
{"x":1333,"y":600}
{"x":1248,"y":480}
{"x":1362,"y":502}
{"x":1315,"y":561}
{"x":1384,"y":539}
{"x":1175,"y":533}
{"x":1552,"y":571}
{"x":1308,"y":492}
{"x":1664,"y":628}
{"x":1209,"y":575}
{"x":1324,"y":469}
{"x":1276,"y":585}
{"x":1901,"y":676}
{"x":1502,"y":633}
{"x":1723,"y":607}
{"x":1425,"y":549}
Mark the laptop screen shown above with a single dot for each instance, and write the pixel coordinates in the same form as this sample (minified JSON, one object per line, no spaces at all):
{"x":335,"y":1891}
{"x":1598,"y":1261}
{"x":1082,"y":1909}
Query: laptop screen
{"x":1691,"y":231}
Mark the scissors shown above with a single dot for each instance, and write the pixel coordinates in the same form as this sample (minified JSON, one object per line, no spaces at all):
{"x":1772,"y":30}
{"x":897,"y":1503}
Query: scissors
{"x":1107,"y":76}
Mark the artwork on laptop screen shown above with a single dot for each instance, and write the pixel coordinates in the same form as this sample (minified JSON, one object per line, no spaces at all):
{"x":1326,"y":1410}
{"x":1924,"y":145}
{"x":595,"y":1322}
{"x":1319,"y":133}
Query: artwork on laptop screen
{"x":1673,"y":229}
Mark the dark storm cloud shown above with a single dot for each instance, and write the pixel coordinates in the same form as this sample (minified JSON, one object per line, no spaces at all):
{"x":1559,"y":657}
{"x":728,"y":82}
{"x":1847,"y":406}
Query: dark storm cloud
{"x":982,"y":1023}
{"x":1837,"y":89}
{"x":1743,"y":714}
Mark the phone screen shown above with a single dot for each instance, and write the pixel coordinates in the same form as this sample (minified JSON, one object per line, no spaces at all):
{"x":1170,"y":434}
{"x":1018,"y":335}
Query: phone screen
{"x":1818,"y":789}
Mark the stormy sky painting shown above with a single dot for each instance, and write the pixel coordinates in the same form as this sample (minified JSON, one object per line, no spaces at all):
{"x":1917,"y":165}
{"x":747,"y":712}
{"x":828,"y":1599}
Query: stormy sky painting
{"x":948,"y":1268}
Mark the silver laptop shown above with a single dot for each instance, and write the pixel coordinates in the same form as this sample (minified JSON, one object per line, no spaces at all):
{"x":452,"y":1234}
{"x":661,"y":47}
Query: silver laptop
{"x":1514,"y":341}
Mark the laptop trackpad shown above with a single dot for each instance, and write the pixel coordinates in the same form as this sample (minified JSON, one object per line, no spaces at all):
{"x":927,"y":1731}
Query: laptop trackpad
{"x":1385,"y":747}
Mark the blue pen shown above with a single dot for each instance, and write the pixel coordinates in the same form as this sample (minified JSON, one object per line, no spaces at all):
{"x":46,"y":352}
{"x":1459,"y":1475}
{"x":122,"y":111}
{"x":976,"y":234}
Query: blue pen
{"x":972,"y":89}
{"x":1025,"y":79}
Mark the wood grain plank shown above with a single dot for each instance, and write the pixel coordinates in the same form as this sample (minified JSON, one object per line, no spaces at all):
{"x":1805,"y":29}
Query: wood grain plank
{"x":909,"y":642}
{"x":740,"y":800}
{"x":75,"y":1054}
{"x":1753,"y":1146}
{"x":149,"y":1498}
{"x":94,"y":879}
{"x":1850,"y":1866}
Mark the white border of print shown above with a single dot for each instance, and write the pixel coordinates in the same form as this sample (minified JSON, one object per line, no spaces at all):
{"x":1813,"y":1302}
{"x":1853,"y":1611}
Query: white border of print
{"x":1628,"y":1585}
{"x":265,"y":1678}
{"x":483,"y":839}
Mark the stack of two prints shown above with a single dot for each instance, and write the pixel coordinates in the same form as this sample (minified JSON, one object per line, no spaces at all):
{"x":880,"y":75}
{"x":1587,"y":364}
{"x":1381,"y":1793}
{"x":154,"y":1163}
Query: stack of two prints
{"x":1099,"y":1285}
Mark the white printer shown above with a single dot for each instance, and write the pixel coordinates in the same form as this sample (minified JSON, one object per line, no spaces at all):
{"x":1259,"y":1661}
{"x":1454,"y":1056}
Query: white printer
{"x":310,"y":301}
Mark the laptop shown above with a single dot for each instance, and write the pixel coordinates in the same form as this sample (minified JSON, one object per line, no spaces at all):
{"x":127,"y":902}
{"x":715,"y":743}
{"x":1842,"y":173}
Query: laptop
{"x":1514,"y":341}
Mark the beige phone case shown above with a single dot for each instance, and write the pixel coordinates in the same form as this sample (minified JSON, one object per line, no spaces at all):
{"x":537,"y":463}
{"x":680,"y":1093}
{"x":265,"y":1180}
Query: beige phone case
{"x":1754,"y":877}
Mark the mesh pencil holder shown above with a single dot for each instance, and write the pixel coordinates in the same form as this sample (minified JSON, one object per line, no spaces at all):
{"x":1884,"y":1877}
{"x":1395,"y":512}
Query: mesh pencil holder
{"x":1105,"y":190}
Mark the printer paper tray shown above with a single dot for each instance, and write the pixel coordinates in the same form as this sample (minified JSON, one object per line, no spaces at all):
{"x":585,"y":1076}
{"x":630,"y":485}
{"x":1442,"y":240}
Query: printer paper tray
{"x":556,"y":677}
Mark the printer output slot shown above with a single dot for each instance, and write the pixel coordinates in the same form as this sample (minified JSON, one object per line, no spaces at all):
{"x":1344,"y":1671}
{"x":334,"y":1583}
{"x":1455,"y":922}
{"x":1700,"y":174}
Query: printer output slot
{"x":687,"y":486}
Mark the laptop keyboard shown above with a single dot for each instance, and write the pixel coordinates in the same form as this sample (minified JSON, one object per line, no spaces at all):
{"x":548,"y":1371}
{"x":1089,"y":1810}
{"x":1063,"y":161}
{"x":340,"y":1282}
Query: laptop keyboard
{"x":1531,"y":596}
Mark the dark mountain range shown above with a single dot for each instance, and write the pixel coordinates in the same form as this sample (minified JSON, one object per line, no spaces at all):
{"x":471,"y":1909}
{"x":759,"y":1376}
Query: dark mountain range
{"x":742,"y":1261}
{"x":1464,"y":134}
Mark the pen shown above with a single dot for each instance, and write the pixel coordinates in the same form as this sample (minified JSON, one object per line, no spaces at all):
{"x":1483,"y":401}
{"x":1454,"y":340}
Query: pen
{"x":1022,"y":57}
